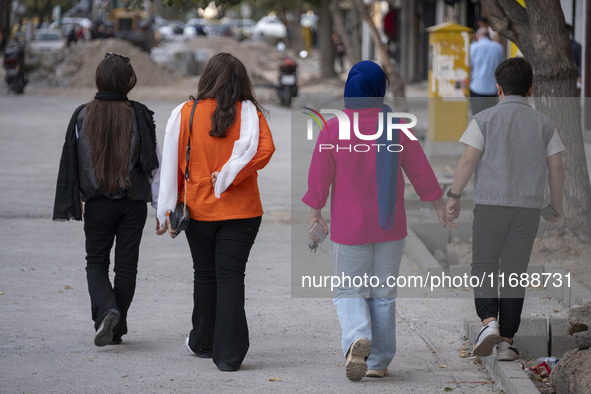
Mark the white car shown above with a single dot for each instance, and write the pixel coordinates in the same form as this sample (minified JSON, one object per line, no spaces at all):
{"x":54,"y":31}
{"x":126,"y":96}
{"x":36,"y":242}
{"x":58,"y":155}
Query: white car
{"x":195,"y":27}
{"x":47,"y":41}
{"x":270,"y":27}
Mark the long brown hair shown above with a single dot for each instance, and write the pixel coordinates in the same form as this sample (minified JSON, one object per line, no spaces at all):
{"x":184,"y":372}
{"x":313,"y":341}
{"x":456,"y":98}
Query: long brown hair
{"x":226,"y":80}
{"x":108,"y":123}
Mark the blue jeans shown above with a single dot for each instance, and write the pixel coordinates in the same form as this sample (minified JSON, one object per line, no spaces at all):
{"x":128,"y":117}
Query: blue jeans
{"x":367,"y":308}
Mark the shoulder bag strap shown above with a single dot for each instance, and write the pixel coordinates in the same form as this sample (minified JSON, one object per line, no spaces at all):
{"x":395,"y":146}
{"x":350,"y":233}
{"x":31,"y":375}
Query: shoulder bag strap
{"x":188,"y":157}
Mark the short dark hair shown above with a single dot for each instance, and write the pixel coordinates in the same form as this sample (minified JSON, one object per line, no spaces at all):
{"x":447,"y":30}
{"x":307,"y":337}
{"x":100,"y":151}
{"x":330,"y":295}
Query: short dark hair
{"x":515,"y":76}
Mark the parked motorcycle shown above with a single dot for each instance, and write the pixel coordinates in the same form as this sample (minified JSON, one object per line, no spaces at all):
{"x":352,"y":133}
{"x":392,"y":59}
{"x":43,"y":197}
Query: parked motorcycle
{"x":14,"y":64}
{"x":288,"y":81}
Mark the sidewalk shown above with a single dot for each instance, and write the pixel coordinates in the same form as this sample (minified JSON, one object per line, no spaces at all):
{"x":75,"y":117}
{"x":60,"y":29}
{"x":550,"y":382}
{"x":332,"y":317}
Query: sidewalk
{"x":46,"y":342}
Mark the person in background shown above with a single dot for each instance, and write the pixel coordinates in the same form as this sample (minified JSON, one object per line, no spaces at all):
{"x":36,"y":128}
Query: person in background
{"x":368,"y":220}
{"x":110,"y":161}
{"x":339,"y":50}
{"x":229,"y":142}
{"x":485,"y":56}
{"x":577,"y":51}
{"x":511,"y":149}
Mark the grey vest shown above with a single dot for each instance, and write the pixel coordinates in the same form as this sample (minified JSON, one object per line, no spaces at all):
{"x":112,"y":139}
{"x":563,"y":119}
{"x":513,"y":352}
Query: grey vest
{"x":512,"y":170}
{"x":137,"y":183}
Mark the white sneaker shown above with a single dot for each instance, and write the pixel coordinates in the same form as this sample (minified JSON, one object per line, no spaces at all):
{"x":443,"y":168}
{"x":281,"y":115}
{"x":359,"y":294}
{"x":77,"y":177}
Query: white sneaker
{"x":189,"y":347}
{"x":487,"y":339}
{"x":506,"y":352}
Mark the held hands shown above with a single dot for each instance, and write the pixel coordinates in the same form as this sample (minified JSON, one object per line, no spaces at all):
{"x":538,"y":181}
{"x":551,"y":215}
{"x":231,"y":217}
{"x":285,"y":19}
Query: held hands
{"x":165,"y":227}
{"x":440,"y":210}
{"x":452,"y":210}
{"x":160,"y":229}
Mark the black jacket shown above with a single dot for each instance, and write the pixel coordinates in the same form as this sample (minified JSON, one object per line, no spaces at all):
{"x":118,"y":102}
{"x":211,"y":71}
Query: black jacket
{"x":76,"y":178}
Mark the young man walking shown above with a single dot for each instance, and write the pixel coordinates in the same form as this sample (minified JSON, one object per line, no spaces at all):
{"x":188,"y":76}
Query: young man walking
{"x":511,"y":149}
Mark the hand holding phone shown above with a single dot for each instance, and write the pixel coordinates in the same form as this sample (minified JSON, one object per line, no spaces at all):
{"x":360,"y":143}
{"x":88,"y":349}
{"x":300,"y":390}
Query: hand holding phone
{"x":317,"y":233}
{"x":548,"y":212}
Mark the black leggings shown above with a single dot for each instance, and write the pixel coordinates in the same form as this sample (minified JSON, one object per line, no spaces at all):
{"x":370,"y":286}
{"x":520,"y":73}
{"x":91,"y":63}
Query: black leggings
{"x":503,"y":238}
{"x":220,"y":250}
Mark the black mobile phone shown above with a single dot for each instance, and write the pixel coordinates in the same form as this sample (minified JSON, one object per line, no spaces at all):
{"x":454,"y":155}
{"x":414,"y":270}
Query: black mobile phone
{"x":548,"y":211}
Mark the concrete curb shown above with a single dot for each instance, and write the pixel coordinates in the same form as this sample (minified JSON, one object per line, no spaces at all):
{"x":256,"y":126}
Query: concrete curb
{"x":508,"y":375}
{"x":543,"y":334}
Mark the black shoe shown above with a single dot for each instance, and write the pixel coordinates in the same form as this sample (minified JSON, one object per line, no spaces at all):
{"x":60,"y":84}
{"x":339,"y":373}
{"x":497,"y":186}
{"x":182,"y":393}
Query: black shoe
{"x":227,"y":367}
{"x":104,"y":333}
{"x":203,"y":353}
{"x":116,"y":341}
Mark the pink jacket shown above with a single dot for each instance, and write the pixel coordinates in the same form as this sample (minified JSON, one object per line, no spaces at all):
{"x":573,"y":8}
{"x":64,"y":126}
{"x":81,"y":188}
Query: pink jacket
{"x":352,"y":177}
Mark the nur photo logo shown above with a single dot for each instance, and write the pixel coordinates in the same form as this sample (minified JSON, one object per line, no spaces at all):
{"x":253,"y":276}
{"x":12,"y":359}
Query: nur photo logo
{"x":388,"y":124}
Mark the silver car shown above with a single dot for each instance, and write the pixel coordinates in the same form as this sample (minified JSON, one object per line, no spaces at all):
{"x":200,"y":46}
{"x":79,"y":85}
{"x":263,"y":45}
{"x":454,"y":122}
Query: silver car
{"x":47,"y":41}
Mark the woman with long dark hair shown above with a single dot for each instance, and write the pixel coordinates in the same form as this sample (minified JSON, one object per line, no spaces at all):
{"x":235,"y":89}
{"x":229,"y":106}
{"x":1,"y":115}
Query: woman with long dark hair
{"x":229,"y":142}
{"x":110,"y":161}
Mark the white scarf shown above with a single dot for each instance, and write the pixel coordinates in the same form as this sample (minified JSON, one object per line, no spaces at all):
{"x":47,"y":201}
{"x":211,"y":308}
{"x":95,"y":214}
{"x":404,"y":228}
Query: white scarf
{"x":244,"y":150}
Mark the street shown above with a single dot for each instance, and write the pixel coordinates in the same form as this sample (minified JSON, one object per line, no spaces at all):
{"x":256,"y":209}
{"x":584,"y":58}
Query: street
{"x":46,"y":341}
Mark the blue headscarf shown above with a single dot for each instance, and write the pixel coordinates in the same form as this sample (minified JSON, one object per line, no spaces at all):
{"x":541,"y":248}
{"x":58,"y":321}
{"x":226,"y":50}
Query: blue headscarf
{"x":365,"y":88}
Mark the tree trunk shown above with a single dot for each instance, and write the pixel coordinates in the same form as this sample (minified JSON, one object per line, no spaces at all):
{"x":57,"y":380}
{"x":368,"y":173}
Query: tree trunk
{"x":325,"y":41}
{"x":540,"y":33}
{"x":395,"y":79}
{"x":295,"y":40}
{"x":351,"y":43}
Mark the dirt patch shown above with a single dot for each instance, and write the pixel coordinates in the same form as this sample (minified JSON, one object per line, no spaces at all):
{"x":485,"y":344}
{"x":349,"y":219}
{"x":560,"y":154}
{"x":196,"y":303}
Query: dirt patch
{"x":77,"y":66}
{"x":71,"y":72}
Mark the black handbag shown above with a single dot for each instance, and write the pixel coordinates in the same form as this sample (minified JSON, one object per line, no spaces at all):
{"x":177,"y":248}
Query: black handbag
{"x":179,"y":218}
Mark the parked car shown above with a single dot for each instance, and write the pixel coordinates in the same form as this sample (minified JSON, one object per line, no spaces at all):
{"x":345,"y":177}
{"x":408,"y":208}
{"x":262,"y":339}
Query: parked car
{"x":195,"y":27}
{"x":218,"y":30}
{"x":172,"y":31}
{"x":66,"y":24}
{"x":47,"y":41}
{"x":270,"y":28}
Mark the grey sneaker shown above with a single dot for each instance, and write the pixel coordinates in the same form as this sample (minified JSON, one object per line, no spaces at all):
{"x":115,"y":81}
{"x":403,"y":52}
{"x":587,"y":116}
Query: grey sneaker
{"x":487,"y":339}
{"x":356,"y":366}
{"x":506,"y":352}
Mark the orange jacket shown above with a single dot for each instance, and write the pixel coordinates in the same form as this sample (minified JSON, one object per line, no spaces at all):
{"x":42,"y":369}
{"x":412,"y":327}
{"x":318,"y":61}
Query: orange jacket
{"x":208,"y":154}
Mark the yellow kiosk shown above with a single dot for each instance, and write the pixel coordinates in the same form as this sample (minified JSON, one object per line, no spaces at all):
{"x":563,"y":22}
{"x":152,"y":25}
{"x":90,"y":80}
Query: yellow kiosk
{"x":449,"y":79}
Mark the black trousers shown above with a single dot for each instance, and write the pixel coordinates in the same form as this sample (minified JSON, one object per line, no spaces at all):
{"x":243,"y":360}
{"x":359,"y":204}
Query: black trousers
{"x":105,"y":221}
{"x":503,"y":239}
{"x":220,"y":250}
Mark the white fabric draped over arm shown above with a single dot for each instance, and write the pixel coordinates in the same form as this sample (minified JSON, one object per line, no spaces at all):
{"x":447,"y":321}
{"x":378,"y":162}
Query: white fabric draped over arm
{"x":244,"y":148}
{"x":168,"y":195}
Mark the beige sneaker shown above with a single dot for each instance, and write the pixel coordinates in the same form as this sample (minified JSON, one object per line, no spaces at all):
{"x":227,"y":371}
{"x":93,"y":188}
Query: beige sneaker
{"x":355,"y":366}
{"x":376,"y":373}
